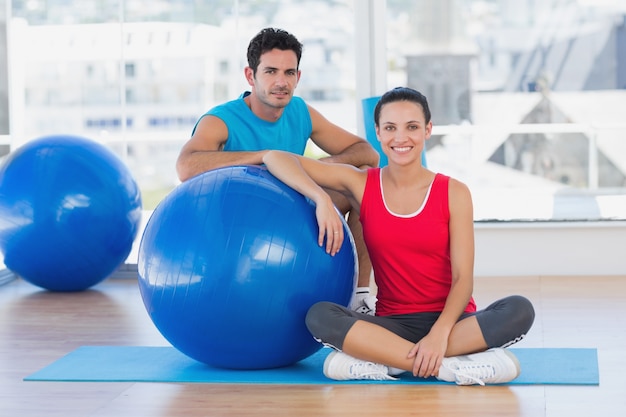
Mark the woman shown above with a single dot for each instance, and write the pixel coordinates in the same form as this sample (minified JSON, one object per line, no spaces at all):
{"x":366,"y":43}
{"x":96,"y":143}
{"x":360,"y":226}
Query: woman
{"x":418,"y":227}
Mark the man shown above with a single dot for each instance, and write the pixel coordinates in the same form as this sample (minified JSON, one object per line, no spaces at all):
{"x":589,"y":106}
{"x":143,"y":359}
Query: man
{"x":270,"y":117}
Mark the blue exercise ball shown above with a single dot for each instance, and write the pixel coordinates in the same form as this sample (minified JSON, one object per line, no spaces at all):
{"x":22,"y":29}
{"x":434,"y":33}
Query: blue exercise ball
{"x":229,"y":265}
{"x":69,"y":212}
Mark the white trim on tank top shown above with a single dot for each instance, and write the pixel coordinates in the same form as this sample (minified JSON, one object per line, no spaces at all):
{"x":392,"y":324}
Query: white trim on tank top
{"x":406,"y":216}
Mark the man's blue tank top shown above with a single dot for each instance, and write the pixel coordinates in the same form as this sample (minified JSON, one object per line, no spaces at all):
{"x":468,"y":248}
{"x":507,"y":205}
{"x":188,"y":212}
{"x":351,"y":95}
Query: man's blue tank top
{"x":247,"y":132}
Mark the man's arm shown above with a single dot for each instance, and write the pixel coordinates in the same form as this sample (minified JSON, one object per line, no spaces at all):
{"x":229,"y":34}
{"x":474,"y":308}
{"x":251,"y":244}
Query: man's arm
{"x":342,"y":146}
{"x":204,"y":150}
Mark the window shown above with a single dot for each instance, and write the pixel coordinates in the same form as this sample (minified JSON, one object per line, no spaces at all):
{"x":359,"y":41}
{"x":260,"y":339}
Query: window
{"x":4,"y":78}
{"x":129,"y":70}
{"x":527,"y":96}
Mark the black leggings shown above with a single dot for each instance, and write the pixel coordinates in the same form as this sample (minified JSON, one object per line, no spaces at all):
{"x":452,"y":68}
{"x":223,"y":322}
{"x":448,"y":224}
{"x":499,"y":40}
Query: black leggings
{"x":502,"y":323}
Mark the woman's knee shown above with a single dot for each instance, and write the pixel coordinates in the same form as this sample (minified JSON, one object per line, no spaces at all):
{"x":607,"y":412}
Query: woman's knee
{"x":522,"y":312}
{"x":329,"y":322}
{"x":316,"y":317}
{"x":506,"y":321}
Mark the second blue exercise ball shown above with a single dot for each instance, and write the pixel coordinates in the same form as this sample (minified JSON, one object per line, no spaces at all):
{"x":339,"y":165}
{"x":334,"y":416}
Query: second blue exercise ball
{"x":229,"y":265}
{"x":69,"y":212}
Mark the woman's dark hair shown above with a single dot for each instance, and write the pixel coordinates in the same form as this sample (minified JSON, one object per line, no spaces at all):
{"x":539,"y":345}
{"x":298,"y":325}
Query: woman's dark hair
{"x":402,"y":94}
{"x":268,"y":39}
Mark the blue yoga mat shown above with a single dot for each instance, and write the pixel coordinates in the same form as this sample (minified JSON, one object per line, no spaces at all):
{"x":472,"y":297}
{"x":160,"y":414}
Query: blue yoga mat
{"x":166,"y":364}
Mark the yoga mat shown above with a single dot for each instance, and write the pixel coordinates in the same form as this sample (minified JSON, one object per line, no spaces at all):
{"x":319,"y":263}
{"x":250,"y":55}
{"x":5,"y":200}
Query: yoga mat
{"x":559,"y":366}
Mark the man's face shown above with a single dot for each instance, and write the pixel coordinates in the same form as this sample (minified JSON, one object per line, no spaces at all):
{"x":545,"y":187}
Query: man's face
{"x":276,"y":77}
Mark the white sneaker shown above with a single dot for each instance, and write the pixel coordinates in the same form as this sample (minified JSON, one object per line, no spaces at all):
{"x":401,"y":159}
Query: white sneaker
{"x":363,"y":301}
{"x":341,"y":367}
{"x":367,"y":306}
{"x":494,"y":366}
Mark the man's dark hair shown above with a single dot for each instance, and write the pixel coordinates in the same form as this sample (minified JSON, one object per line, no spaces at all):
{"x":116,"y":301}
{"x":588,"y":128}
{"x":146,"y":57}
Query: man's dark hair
{"x":268,"y":39}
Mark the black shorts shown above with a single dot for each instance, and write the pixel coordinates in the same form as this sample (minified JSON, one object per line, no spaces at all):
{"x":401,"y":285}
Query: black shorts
{"x":502,"y":323}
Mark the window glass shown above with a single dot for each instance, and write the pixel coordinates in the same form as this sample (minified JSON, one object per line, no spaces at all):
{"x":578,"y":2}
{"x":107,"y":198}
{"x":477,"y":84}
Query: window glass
{"x":4,"y":80}
{"x":527,"y":100}
{"x":137,"y":78}
{"x":527,"y":97}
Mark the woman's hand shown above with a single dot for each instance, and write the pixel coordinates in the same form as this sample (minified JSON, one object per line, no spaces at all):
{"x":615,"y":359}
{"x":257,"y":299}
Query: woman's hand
{"x":296,"y":171}
{"x":330,"y":226}
{"x":428,"y":355}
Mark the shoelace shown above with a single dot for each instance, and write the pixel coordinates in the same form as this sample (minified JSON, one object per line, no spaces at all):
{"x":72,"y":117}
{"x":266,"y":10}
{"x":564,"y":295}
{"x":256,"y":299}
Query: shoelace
{"x":369,"y":370}
{"x":474,"y":372}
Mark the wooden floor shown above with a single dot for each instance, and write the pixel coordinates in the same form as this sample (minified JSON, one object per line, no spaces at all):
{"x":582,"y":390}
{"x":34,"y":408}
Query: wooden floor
{"x":38,"y":327}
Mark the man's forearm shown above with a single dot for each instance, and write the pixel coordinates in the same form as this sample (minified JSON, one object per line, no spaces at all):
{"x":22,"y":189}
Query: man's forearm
{"x":360,"y":154}
{"x":198,"y":162}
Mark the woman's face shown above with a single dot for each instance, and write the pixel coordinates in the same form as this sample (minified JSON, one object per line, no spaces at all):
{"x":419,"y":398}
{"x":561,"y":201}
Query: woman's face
{"x":402,"y":131}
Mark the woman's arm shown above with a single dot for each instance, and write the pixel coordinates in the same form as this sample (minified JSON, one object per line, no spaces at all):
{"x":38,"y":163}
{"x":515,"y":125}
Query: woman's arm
{"x":308,"y":176}
{"x":461,"y":254}
{"x":430,"y":351}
